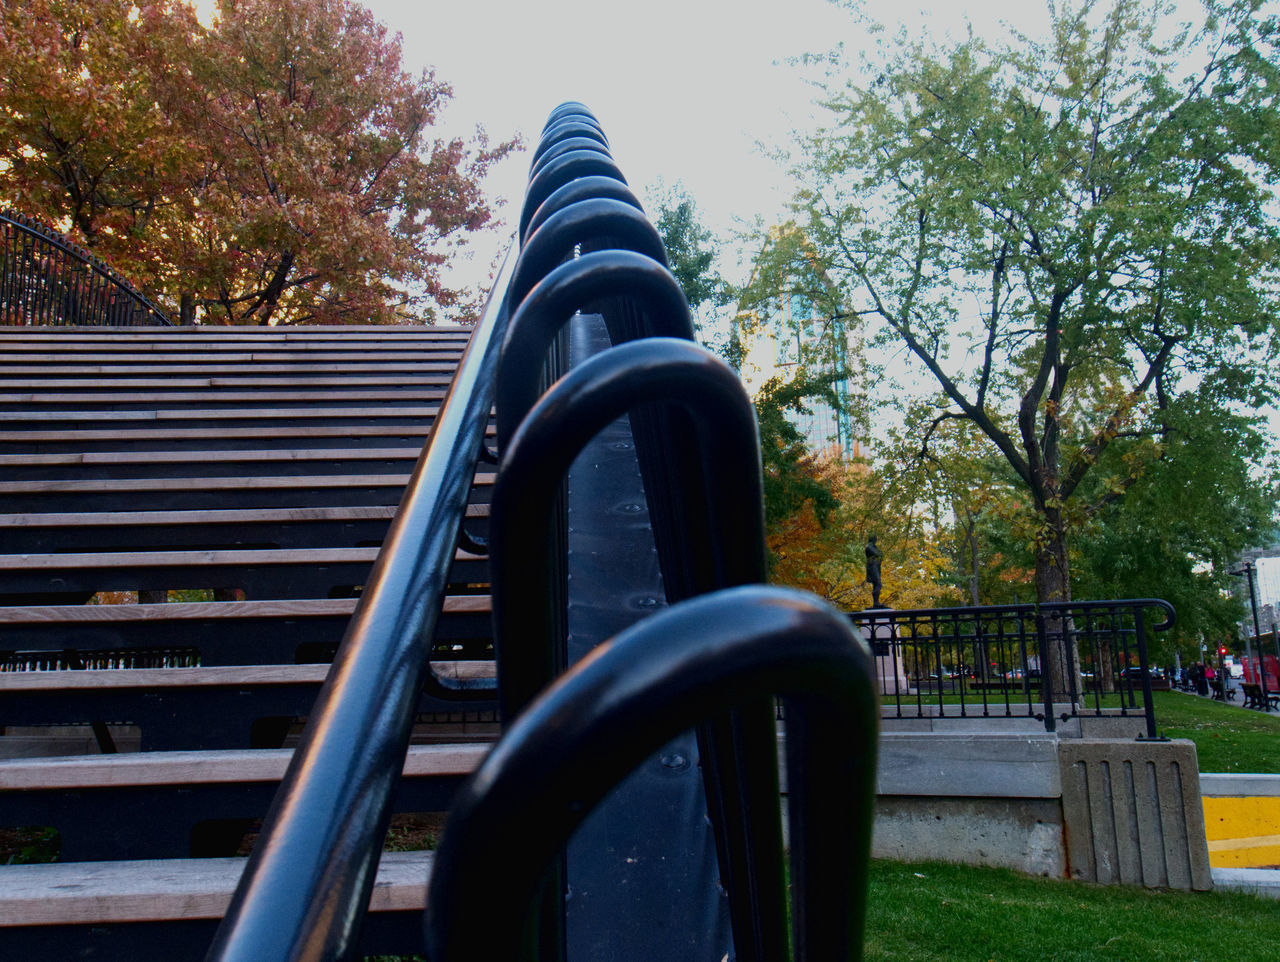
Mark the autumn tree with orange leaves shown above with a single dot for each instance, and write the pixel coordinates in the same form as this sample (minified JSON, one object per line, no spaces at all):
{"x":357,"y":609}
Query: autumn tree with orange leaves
{"x":277,"y":166}
{"x":826,"y":556}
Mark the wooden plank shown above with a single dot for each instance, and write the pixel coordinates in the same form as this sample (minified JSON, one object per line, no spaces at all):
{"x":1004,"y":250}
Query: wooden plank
{"x":216,"y":516}
{"x":405,"y":453}
{"x":180,"y":484}
{"x":176,"y":369}
{"x":225,"y":766}
{"x":318,"y":527}
{"x":198,"y":434}
{"x":199,"y":610}
{"x":346,"y":332}
{"x":141,"y":383}
{"x":187,"y":559}
{"x":161,"y":398}
{"x":424,"y":411}
{"x":340,"y":356}
{"x":186,"y":679}
{"x":157,"y":890}
{"x":312,"y":482}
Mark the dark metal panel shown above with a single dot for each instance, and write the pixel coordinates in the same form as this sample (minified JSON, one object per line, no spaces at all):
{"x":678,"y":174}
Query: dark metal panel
{"x":642,"y":869}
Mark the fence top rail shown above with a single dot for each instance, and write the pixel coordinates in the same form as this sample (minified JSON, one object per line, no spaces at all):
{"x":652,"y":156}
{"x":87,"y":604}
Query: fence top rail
{"x":45,"y":235}
{"x":1020,"y":611}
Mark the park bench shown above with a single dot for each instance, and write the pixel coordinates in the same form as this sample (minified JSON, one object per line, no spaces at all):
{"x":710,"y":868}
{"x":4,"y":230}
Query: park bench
{"x":1254,"y":698}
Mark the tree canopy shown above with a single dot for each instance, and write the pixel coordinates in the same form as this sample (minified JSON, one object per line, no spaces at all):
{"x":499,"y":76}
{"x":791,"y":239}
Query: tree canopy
{"x":1070,"y":235}
{"x":277,"y":166}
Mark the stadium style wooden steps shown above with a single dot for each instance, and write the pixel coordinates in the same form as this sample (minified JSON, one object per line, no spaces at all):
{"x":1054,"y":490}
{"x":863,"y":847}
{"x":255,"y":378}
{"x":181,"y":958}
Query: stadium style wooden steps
{"x":257,"y":472}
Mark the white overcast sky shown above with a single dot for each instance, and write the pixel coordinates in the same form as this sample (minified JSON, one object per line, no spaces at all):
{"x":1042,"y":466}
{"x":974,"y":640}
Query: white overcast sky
{"x":685,"y":89}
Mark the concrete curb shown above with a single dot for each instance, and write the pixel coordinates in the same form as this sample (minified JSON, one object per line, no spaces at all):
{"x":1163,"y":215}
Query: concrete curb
{"x":1260,"y":881}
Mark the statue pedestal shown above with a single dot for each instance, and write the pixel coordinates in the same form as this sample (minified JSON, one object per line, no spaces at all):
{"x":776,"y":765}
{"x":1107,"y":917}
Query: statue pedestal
{"x":882,"y":636}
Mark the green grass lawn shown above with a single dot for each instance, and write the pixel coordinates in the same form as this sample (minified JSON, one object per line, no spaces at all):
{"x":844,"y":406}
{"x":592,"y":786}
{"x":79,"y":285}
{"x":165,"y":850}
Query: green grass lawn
{"x":1228,"y":738}
{"x":930,"y":911}
{"x":933,"y":912}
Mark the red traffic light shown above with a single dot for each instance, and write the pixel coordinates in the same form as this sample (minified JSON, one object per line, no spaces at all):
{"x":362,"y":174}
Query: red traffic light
{"x":1222,"y":649}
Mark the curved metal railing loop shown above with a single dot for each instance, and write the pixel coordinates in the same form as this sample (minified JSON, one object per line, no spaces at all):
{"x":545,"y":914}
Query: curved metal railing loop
{"x":45,"y":279}
{"x":576,"y":130}
{"x":703,"y":488}
{"x":564,"y":146}
{"x":563,"y":754}
{"x":570,"y":128}
{"x":595,"y":224}
{"x":566,"y":167}
{"x":307,"y":884}
{"x":723,"y":474}
{"x":572,"y":286}
{"x":582,"y":188}
{"x":571,"y":111}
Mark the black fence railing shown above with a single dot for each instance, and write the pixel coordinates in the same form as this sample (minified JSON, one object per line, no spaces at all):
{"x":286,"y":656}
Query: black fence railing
{"x":47,"y":281}
{"x":992,"y":662}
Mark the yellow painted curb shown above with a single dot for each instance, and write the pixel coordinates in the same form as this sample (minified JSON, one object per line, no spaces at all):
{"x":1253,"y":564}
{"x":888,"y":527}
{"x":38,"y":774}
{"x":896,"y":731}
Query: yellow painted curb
{"x":1242,"y":832}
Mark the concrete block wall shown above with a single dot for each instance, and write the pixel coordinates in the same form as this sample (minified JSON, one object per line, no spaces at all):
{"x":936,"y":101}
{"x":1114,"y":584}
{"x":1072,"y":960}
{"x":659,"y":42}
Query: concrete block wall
{"x":979,"y":798}
{"x":1132,"y":814}
{"x":1110,"y":811}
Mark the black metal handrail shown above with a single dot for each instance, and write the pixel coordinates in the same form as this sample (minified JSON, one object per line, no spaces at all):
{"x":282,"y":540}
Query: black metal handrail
{"x":985,"y":662}
{"x":569,"y":287}
{"x":713,"y":520}
{"x":701,"y":658}
{"x":579,"y":189}
{"x":307,"y":884}
{"x":46,"y":280}
{"x":700,"y":465}
{"x":723,"y":477}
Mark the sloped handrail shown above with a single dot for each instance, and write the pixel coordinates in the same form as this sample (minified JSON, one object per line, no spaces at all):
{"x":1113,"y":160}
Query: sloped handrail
{"x":577,"y":207}
{"x":714,"y":538}
{"x":46,"y":280}
{"x":703,"y":657}
{"x":307,"y":884}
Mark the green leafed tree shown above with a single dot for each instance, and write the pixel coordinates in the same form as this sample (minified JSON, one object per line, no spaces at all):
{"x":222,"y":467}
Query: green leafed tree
{"x":1067,"y":234}
{"x":691,"y":246}
{"x":1182,"y":526}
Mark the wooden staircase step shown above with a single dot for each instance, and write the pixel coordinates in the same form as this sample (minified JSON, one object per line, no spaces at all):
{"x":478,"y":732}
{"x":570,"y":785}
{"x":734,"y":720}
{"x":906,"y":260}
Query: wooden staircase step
{"x":206,"y":707}
{"x":50,"y":399}
{"x":231,"y":676}
{"x":425,"y":410}
{"x":76,"y":773}
{"x":220,"y":633}
{"x":339,"y":526}
{"x":222,"y":610}
{"x":375,"y":334}
{"x":158,"y":890}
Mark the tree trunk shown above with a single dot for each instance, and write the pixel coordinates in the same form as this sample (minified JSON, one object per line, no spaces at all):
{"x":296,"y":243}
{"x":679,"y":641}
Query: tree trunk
{"x":1053,"y":584}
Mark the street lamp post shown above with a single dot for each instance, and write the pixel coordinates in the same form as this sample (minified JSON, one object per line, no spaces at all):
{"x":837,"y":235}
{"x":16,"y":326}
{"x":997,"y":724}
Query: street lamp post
{"x":1246,"y":571}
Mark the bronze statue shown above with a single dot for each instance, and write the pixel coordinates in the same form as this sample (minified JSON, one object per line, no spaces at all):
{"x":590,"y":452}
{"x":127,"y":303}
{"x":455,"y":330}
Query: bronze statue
{"x":874,"y":554}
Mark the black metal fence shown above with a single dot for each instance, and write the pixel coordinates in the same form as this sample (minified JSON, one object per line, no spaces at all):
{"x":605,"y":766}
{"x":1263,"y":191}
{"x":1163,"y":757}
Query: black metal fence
{"x":990,"y":662}
{"x":47,"y":281}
